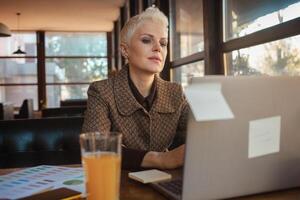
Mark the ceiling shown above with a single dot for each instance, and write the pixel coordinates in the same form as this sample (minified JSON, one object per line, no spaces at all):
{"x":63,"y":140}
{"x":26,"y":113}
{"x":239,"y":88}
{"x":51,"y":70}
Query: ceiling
{"x":61,"y":15}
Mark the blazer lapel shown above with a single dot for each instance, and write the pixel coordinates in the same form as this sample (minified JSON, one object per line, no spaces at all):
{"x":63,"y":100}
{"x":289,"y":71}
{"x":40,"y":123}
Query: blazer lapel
{"x":164,"y":103}
{"x":126,"y":103}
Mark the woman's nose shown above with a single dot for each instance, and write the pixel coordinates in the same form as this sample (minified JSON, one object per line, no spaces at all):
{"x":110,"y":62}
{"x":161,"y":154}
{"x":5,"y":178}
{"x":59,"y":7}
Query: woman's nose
{"x":157,"y":46}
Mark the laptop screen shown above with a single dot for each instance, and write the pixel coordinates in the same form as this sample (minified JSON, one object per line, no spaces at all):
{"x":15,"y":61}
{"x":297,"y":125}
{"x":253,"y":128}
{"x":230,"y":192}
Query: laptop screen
{"x":256,"y":150}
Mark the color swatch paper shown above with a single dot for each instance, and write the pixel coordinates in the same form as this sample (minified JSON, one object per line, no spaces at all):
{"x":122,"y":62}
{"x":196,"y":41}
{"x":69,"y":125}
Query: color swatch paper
{"x":33,"y":180}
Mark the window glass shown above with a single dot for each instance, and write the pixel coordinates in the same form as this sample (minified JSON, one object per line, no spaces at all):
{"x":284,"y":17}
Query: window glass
{"x":16,"y":94}
{"x":56,"y":93}
{"x":76,"y":44}
{"x":26,"y":41}
{"x":281,"y":57}
{"x":184,"y":73}
{"x":18,"y":70}
{"x":63,"y":70}
{"x":242,"y":17}
{"x":75,"y":59}
{"x":186,"y":28}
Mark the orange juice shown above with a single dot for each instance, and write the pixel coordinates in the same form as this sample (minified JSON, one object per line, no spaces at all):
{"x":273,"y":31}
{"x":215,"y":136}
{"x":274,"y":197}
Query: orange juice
{"x":102,"y":175}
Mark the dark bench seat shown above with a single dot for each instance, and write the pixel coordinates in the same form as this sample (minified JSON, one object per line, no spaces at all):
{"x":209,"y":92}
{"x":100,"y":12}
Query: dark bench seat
{"x":31,"y":142}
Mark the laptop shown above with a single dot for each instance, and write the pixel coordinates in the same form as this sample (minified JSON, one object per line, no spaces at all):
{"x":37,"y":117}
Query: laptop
{"x":257,"y":151}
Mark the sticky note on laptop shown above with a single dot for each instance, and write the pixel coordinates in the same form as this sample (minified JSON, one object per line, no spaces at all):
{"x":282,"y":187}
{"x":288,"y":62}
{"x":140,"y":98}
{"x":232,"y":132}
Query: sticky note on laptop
{"x":149,"y":176}
{"x":207,"y":102}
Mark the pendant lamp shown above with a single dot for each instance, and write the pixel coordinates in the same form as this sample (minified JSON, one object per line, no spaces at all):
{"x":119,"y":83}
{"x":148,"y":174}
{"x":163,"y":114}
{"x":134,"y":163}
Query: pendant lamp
{"x":18,"y":51}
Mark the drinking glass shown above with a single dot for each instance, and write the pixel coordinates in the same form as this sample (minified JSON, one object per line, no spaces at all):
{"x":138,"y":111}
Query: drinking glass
{"x":101,"y":160}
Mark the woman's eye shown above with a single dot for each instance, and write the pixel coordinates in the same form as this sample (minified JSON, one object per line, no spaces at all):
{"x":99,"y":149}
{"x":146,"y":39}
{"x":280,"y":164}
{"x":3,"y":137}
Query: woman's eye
{"x":163,"y":44}
{"x":146,"y":40}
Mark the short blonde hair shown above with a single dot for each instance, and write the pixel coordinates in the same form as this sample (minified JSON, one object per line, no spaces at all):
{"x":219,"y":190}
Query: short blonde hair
{"x":152,"y":14}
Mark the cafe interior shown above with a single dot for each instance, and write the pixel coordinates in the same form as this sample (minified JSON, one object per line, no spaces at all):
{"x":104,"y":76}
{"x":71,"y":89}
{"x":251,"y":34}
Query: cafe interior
{"x":51,"y":50}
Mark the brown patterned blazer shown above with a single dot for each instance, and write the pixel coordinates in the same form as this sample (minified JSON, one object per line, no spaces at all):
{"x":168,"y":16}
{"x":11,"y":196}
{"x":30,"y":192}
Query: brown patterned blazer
{"x":112,"y":107}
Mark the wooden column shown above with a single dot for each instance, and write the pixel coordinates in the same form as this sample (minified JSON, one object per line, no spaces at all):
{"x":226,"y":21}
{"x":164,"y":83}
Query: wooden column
{"x":41,"y":69}
{"x":212,"y":19}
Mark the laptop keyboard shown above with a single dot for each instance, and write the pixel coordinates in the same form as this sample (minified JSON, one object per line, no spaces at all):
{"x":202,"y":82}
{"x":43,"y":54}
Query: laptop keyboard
{"x":174,"y":186}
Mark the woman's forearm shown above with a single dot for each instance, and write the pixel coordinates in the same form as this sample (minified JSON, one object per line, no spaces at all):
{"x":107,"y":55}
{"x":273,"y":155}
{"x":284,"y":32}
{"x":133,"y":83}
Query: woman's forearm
{"x":164,"y":160}
{"x":152,"y":159}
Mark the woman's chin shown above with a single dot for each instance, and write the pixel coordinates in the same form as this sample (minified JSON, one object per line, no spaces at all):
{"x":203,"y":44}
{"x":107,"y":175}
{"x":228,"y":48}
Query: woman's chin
{"x":149,"y":68}
{"x":154,"y":69}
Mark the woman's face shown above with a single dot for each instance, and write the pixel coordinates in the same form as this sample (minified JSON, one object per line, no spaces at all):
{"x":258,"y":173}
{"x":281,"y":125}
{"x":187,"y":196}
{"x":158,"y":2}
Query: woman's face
{"x":147,"y":49}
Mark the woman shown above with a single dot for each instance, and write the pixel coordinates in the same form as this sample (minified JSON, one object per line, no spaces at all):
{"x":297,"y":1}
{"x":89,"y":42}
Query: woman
{"x":150,"y":113}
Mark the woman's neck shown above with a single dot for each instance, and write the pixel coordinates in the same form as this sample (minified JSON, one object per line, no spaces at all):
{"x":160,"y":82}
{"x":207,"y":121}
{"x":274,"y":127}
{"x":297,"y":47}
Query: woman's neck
{"x":142,"y":81}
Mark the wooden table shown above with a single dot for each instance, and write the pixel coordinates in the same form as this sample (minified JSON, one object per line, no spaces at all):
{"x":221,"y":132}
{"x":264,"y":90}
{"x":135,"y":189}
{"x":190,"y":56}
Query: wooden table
{"x":132,"y":190}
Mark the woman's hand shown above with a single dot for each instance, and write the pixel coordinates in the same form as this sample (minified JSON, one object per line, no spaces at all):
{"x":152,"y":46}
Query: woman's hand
{"x":165,"y":160}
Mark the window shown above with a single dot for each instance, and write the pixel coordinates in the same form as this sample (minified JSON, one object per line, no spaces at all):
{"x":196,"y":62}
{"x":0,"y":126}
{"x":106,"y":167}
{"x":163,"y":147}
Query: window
{"x":17,"y":93}
{"x":243,"y":17}
{"x":187,"y":40}
{"x":73,"y":60}
{"x":18,"y":70}
{"x":18,"y":73}
{"x":26,"y":41}
{"x":186,"y":28}
{"x":184,"y":73}
{"x":249,"y":29}
{"x":281,"y":57}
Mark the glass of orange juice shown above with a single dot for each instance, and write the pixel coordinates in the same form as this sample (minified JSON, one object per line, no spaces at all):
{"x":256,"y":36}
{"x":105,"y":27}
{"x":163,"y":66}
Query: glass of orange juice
{"x":101,"y":159}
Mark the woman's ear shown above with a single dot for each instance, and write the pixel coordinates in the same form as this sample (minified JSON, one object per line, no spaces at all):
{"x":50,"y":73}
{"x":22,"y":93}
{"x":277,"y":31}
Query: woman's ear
{"x":124,"y":50}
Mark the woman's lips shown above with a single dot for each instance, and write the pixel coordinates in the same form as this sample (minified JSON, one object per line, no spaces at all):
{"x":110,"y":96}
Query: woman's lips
{"x":155,"y":59}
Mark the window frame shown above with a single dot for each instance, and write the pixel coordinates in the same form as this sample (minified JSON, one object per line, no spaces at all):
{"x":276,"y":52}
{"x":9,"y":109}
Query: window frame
{"x":108,"y":57}
{"x":214,"y":46}
{"x":41,"y":66}
{"x":24,"y":57}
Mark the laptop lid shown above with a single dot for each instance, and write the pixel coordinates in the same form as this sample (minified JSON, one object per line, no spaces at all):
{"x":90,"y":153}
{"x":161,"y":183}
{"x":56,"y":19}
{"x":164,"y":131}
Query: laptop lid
{"x":256,"y":151}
